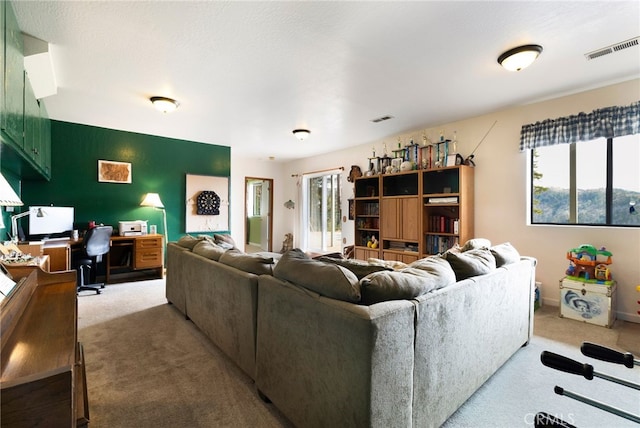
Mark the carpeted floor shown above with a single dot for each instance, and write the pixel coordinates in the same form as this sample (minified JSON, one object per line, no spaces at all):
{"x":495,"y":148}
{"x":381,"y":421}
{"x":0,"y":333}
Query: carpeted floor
{"x":149,"y":367}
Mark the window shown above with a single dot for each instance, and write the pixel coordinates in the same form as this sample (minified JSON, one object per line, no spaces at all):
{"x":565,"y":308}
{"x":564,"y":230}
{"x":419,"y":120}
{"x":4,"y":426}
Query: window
{"x":594,"y":182}
{"x":321,"y":225}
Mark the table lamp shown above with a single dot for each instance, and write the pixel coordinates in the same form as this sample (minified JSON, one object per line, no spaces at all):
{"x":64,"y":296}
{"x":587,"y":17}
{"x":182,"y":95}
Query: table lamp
{"x":153,"y":200}
{"x":8,"y":198}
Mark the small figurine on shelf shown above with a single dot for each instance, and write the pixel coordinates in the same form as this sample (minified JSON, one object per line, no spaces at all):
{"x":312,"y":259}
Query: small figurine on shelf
{"x":372,"y":242}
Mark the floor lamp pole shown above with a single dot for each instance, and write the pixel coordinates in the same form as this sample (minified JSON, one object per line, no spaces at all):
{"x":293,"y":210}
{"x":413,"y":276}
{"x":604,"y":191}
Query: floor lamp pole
{"x":166,"y":233}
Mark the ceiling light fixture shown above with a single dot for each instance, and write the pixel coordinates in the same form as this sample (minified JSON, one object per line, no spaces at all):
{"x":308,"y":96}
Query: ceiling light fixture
{"x":164,"y":104}
{"x":521,"y":57}
{"x":301,"y":134}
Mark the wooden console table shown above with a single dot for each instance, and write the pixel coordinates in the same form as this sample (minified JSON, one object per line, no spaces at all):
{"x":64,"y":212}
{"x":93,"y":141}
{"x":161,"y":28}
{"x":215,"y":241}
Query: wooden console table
{"x":43,"y":379}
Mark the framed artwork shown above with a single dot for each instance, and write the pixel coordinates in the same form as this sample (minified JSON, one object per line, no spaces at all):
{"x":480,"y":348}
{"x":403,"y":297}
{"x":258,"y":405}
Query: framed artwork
{"x":114,"y":172}
{"x":207,"y":203}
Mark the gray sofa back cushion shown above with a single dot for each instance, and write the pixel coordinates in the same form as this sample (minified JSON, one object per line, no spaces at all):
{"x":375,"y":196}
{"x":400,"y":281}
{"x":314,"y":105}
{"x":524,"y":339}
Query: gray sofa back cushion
{"x":326,"y":279}
{"x":421,"y":277}
{"x":505,"y":254}
{"x":358,"y":267}
{"x":188,"y":241}
{"x":250,"y":263}
{"x":471,"y":263}
{"x":208,"y":249}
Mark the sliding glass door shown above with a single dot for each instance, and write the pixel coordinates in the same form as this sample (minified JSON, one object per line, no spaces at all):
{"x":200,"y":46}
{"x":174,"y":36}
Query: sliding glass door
{"x":322,"y":228}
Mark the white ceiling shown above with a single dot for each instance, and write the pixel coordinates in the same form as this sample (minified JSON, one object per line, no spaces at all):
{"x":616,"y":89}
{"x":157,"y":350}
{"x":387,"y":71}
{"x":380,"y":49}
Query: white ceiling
{"x":248,"y":73}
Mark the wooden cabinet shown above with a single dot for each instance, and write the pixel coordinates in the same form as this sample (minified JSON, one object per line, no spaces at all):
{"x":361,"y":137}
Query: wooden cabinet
{"x":148,"y":252}
{"x":400,"y":216}
{"x":59,"y":253}
{"x":135,"y":254}
{"x":447,"y":208}
{"x":11,"y":121}
{"x":418,"y":213}
{"x":367,"y":216}
{"x":43,"y":374}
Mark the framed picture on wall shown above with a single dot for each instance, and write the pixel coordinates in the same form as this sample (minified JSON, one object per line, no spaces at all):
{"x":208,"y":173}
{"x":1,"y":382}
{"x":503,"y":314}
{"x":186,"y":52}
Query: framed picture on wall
{"x":207,"y":203}
{"x":114,"y":172}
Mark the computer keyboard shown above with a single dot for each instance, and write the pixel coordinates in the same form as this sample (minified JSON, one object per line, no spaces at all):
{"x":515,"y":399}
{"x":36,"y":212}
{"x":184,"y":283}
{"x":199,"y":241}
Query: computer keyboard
{"x":65,"y":238}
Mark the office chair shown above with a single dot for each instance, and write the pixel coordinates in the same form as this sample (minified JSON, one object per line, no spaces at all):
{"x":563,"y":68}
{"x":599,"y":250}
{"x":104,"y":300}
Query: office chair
{"x":95,"y":244}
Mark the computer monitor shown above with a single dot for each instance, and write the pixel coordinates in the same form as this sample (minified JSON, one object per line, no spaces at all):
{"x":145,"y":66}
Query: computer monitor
{"x":50,"y":222}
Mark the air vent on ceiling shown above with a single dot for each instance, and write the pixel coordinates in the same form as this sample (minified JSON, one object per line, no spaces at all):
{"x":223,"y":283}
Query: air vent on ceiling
{"x":613,"y":48}
{"x":381,"y":119}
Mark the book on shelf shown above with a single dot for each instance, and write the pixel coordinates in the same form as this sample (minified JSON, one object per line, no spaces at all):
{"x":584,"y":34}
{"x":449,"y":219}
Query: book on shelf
{"x":443,"y":200}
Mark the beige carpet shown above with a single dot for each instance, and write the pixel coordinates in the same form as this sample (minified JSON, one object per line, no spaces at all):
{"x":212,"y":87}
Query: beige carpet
{"x":149,"y":367}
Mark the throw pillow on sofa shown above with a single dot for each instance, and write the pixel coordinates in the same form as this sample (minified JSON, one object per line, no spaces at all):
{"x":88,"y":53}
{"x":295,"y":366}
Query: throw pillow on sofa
{"x":251,"y":263}
{"x":188,"y":241}
{"x":402,"y":284}
{"x":475,"y":243}
{"x":436,"y":265}
{"x":505,"y":254}
{"x":471,"y":263}
{"x":358,"y":267}
{"x":225,"y":241}
{"x":208,"y":249}
{"x":327,"y":279}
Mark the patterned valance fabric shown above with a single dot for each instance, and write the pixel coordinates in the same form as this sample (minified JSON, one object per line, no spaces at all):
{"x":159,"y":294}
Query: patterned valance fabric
{"x":608,"y":122}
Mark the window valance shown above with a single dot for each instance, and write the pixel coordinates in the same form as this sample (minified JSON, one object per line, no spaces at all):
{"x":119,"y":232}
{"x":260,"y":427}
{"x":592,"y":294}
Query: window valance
{"x":606,"y":122}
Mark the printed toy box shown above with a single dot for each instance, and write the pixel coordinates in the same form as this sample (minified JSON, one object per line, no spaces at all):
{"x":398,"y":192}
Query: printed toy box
{"x":590,"y":302}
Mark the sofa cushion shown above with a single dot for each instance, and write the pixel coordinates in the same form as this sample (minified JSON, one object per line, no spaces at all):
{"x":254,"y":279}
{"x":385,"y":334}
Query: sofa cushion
{"x":471,"y":263}
{"x":505,"y":254}
{"x":250,"y":263}
{"x":475,"y":243}
{"x":225,"y":241}
{"x":402,"y":284}
{"x":438,"y":266}
{"x":188,"y":241}
{"x":358,"y":267}
{"x":327,"y":279}
{"x":209,"y":250}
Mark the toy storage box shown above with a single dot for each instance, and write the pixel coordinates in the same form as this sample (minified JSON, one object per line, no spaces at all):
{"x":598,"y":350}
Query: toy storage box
{"x":589,"y":302}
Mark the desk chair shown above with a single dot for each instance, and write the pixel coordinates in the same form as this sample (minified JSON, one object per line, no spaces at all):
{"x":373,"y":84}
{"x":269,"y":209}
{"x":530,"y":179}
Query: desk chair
{"x":95,"y":244}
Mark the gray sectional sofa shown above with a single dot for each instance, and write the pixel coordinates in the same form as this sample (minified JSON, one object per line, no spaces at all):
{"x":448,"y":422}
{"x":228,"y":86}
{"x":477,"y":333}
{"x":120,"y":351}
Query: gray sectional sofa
{"x":341,"y":343}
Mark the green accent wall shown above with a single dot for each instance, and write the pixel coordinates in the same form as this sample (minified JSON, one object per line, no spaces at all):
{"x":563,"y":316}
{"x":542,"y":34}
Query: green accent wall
{"x":158,"y":164}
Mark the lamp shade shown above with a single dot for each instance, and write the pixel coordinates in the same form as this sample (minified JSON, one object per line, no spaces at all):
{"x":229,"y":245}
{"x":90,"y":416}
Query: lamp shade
{"x":519,"y":58}
{"x":8,"y":196}
{"x":152,"y":200}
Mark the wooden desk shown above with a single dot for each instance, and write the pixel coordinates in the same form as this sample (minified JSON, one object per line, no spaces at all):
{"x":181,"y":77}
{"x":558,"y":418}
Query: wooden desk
{"x":127,"y":254}
{"x":43,"y":379}
{"x":135,"y":253}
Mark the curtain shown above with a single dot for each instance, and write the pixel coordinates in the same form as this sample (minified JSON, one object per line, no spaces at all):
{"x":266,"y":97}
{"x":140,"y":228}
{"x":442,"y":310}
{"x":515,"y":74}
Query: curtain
{"x":608,"y":122}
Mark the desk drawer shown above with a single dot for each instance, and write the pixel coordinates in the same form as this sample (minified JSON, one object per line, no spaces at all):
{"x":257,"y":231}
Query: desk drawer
{"x":151,"y":242}
{"x":148,"y":259}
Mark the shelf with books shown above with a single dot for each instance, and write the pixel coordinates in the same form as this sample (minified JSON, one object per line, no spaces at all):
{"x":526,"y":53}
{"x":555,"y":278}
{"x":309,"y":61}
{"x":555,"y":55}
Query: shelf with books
{"x":447,"y":208}
{"x":367,"y":217}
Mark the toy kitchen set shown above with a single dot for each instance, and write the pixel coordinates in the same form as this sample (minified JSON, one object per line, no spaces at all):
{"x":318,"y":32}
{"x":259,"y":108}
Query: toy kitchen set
{"x":587,"y":292}
{"x":132,"y":228}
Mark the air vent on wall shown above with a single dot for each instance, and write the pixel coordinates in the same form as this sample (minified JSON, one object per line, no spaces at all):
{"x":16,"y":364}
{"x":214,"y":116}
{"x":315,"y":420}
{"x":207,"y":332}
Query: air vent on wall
{"x":381,"y":119}
{"x":612,"y":49}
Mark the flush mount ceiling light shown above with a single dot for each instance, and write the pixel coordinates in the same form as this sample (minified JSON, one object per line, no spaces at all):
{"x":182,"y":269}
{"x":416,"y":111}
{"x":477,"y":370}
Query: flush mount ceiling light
{"x":164,"y":104}
{"x":521,"y":57}
{"x":301,"y":134}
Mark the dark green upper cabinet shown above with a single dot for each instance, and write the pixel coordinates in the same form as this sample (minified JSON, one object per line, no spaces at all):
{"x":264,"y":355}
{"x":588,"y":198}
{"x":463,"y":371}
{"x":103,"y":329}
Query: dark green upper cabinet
{"x":13,"y":109}
{"x":25,"y":129}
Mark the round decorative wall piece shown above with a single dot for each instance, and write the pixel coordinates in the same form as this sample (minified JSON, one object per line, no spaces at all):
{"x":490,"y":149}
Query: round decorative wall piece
{"x":208,"y":203}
